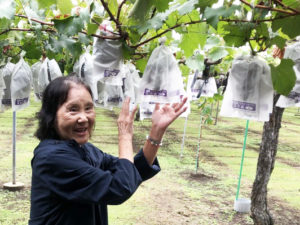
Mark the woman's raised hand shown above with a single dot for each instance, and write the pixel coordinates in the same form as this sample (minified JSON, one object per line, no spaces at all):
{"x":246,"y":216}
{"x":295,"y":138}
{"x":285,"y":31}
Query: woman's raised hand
{"x":162,"y":117}
{"x":125,"y":127}
{"x":125,"y":120}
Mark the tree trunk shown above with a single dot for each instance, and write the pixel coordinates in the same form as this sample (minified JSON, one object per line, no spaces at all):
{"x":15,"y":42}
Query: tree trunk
{"x":265,"y":165}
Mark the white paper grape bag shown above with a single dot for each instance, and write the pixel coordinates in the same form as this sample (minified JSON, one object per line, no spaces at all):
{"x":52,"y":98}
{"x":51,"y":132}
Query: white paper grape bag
{"x":131,"y":82}
{"x":84,"y":66}
{"x":162,"y":81}
{"x":35,"y":69}
{"x":2,"y":82}
{"x":54,"y":69}
{"x":191,"y":91}
{"x":7,"y":74}
{"x":201,"y":88}
{"x":2,"y":87}
{"x":48,"y":72}
{"x":292,"y":51}
{"x":21,"y":82}
{"x":84,"y":69}
{"x":109,"y":96}
{"x":43,"y":72}
{"x":249,"y":93}
{"x":147,"y":108}
{"x":293,"y":99}
{"x":107,"y":61}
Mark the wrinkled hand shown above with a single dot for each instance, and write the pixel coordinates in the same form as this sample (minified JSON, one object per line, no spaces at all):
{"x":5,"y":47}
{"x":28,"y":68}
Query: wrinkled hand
{"x":125,"y":120}
{"x":164,"y":116}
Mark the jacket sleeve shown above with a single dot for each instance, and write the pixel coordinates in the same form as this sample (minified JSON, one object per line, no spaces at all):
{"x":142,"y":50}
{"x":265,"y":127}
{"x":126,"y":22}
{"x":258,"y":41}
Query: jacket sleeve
{"x":145,"y":170}
{"x":73,"y":179}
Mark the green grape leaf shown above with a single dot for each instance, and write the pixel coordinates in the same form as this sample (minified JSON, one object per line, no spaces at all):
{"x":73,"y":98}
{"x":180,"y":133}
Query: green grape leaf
{"x":212,"y":41}
{"x":69,"y":26}
{"x":184,"y":70}
{"x":218,"y":97}
{"x":161,"y":5}
{"x":65,"y":6}
{"x":7,"y":9}
{"x":3,"y":43}
{"x":64,"y":42}
{"x":283,"y":77}
{"x":192,"y":16}
{"x":191,"y":40}
{"x":91,"y":28}
{"x":134,"y":36}
{"x":217,"y":53}
{"x":4,"y":23}
{"x":98,"y":19}
{"x":213,"y":14}
{"x":172,"y":19}
{"x":32,"y":13}
{"x":238,"y":34}
{"x":141,"y":64}
{"x":196,"y":62}
{"x":262,"y":30}
{"x":156,"y":22}
{"x":33,"y":50}
{"x":113,"y":6}
{"x":75,"y":50}
{"x":140,"y":10}
{"x":84,"y":39}
{"x":46,"y":3}
{"x":279,"y":41}
{"x":126,"y":50}
{"x":186,"y":7}
{"x":203,"y":4}
{"x":288,"y":25}
{"x":85,"y":15}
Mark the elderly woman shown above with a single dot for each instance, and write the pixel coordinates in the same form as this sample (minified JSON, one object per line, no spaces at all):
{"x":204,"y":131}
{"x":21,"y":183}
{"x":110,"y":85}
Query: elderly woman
{"x":72,"y":180}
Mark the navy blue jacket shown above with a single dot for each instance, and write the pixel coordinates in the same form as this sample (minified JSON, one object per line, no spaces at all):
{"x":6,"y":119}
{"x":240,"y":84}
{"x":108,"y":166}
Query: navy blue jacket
{"x":73,"y":184}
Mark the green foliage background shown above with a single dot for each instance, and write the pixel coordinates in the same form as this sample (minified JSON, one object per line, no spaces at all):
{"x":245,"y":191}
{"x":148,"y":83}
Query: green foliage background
{"x":61,"y":29}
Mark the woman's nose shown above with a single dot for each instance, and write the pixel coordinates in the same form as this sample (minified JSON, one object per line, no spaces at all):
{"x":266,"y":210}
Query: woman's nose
{"x":82,"y":117}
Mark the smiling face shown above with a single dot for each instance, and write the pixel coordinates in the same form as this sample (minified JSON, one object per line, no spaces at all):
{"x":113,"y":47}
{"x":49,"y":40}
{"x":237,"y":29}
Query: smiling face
{"x":75,"y":118}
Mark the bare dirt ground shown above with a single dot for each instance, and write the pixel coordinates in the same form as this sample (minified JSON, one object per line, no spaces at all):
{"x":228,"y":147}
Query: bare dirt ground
{"x":171,"y":205}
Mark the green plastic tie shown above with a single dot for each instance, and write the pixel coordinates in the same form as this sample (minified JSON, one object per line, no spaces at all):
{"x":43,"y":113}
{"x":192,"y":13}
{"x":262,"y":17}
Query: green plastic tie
{"x":242,"y":161}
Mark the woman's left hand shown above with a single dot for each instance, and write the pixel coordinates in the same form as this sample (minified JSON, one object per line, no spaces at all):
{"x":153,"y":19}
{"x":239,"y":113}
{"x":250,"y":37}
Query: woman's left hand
{"x":162,"y":117}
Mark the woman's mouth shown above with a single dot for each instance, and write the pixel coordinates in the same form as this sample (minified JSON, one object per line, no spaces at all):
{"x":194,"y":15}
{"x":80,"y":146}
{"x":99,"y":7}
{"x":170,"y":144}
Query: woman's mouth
{"x":80,"y":131}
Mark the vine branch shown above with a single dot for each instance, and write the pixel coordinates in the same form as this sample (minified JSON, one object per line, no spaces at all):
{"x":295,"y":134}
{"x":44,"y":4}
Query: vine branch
{"x":51,"y":30}
{"x":166,"y":31}
{"x":112,"y":17}
{"x":285,"y":6}
{"x":268,"y":8}
{"x":35,"y":20}
{"x":120,"y":9}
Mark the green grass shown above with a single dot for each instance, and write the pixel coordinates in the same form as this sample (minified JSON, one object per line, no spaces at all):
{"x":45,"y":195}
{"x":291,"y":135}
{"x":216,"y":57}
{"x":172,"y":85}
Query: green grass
{"x":178,"y":195}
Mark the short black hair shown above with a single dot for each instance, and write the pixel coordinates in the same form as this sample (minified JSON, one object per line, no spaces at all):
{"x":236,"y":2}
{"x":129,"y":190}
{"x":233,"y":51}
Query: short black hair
{"x":54,"y":95}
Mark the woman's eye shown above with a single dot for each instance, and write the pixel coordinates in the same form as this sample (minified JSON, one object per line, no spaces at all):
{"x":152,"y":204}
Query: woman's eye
{"x":73,"y":109}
